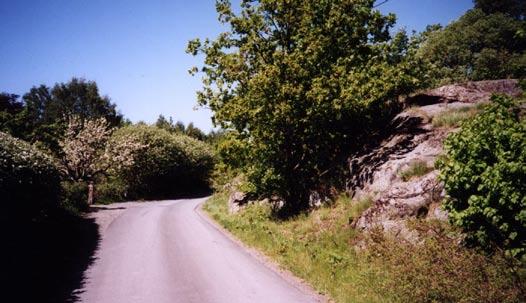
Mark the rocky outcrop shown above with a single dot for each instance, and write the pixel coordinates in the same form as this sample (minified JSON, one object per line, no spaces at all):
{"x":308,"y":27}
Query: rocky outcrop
{"x":376,"y":170}
{"x":469,"y":92}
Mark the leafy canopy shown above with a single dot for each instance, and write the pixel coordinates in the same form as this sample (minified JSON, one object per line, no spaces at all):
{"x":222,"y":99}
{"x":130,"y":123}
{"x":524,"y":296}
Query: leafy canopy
{"x":484,"y":171}
{"x":483,"y":44}
{"x":514,"y":8}
{"x":43,"y":114}
{"x":298,"y":83}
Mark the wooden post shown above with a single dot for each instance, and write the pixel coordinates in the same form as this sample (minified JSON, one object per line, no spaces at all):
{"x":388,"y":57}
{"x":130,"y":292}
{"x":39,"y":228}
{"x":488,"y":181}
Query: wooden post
{"x":90,"y":193}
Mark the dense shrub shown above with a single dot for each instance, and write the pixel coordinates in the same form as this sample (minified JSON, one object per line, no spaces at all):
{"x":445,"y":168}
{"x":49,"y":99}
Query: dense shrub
{"x":29,"y":179}
{"x":74,"y":195}
{"x":484,"y":170}
{"x":171,"y":164}
{"x":110,"y":189}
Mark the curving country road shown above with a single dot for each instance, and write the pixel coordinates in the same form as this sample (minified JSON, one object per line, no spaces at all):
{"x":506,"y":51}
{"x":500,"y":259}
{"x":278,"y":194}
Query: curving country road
{"x":170,"y":252}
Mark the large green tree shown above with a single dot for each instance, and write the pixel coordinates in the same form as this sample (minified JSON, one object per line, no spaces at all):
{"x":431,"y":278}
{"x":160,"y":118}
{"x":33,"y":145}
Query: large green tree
{"x":45,"y":112}
{"x":299,"y":83}
{"x":485,"y":43}
{"x":514,"y":8}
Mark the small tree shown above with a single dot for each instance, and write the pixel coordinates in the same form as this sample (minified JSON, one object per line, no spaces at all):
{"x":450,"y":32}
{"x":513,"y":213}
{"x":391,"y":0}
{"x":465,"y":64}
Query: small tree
{"x":88,"y":152}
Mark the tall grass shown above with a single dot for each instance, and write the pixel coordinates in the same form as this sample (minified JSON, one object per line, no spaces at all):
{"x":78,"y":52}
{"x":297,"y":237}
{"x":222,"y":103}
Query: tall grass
{"x":319,"y":247}
{"x":453,"y":117}
{"x":416,"y":169}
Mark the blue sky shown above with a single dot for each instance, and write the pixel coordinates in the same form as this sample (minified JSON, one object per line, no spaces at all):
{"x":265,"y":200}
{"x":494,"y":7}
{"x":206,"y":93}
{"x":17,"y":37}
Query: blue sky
{"x":134,"y":50}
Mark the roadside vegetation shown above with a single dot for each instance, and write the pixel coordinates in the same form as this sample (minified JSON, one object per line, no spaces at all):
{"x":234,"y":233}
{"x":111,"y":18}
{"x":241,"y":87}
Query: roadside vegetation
{"x":294,"y":102}
{"x":322,"y":248}
{"x":296,"y":87}
{"x":484,"y":171}
{"x":89,"y":144}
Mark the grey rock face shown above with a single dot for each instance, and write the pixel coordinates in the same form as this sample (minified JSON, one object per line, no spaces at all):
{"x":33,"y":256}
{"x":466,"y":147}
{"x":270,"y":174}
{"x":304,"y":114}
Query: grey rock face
{"x":375,"y":171}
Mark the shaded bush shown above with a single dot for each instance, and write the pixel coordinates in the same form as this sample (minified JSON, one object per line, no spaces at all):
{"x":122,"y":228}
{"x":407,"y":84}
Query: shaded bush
{"x":171,"y":164}
{"x":111,"y":189}
{"x":484,"y":171}
{"x":29,"y":179}
{"x":74,"y":195}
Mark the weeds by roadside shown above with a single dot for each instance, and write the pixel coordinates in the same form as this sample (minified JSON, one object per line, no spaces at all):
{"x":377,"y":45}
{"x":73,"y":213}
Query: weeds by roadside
{"x":318,"y":247}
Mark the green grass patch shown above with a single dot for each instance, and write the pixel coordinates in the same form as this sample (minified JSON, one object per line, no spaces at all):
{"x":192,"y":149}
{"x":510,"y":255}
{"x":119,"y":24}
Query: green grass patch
{"x":453,"y":117}
{"x":319,"y":247}
{"x":416,"y":169}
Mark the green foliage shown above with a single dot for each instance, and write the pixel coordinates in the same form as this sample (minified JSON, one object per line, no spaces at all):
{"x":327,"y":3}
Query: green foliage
{"x":110,"y":189}
{"x":514,"y":8}
{"x":74,"y":195}
{"x":415,"y":169}
{"x":29,"y":179}
{"x":478,"y":46}
{"x":484,"y":171}
{"x":297,"y":85}
{"x":46,"y":111}
{"x":179,"y":128}
{"x":318,"y":247}
{"x":10,"y":106}
{"x":171,"y":164}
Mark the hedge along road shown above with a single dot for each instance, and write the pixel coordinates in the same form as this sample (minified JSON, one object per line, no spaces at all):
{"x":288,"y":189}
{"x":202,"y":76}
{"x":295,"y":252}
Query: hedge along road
{"x":170,"y":251}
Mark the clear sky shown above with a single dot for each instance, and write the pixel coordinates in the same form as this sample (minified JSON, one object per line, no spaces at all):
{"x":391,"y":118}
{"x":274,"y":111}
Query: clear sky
{"x":135,"y":50}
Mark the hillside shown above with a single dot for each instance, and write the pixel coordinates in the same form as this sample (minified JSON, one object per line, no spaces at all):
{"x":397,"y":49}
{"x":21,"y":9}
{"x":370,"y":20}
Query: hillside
{"x":397,"y":171}
{"x":340,"y":247}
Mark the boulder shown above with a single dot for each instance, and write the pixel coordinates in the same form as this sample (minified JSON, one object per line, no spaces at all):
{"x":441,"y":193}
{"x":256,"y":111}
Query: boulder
{"x":236,"y":201}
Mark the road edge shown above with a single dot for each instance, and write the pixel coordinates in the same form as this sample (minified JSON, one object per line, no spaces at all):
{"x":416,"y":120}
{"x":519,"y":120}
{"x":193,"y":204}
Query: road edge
{"x":263,"y":259}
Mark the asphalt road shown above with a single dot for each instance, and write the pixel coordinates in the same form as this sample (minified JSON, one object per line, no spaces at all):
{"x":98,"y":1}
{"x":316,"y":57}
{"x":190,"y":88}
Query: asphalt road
{"x":170,"y":252}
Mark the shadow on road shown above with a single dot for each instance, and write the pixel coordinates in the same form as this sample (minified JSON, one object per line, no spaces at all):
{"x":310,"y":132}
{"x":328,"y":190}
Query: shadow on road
{"x":44,"y":260}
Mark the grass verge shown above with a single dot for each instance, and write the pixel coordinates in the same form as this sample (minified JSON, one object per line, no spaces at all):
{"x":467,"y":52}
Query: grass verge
{"x":319,"y":247}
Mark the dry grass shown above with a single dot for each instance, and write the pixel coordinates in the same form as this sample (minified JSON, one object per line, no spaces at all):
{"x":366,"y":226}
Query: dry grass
{"x":453,"y":118}
{"x":416,"y":169}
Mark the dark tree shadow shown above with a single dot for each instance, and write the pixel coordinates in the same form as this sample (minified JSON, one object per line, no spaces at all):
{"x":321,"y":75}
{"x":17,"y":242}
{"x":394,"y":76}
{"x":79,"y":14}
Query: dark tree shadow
{"x":44,"y":259}
{"x":363,"y":164}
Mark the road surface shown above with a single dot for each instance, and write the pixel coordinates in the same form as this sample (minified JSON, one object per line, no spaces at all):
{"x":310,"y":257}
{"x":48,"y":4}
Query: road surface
{"x":170,"y":252}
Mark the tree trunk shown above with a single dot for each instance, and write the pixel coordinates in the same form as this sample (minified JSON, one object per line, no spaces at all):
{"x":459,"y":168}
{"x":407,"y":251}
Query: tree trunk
{"x":90,"y":193}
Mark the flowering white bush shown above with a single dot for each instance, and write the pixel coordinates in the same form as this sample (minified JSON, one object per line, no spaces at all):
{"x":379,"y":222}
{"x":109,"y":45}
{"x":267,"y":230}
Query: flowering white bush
{"x":29,"y":179}
{"x":88,"y":150}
